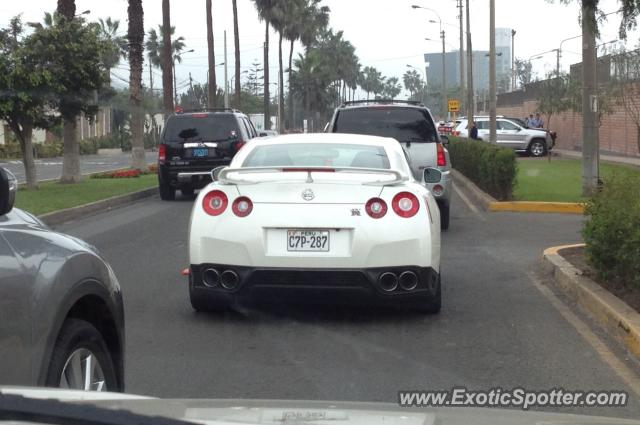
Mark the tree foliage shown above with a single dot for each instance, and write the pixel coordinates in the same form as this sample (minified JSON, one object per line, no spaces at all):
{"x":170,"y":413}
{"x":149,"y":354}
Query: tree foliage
{"x":524,"y":72}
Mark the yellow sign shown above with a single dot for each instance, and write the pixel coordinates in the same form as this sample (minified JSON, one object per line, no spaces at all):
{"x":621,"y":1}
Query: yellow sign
{"x":454,"y":105}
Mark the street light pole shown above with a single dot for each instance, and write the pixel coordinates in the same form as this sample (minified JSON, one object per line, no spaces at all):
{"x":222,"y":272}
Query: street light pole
{"x":226,"y":76}
{"x":513,"y":60}
{"x":470,"y":94}
{"x":492,"y":71}
{"x":462,"y":85}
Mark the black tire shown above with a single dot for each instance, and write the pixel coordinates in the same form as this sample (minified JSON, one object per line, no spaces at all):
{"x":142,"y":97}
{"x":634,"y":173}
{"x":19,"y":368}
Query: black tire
{"x":187,"y":191}
{"x":537,"y":148}
{"x":79,"y":334}
{"x":444,"y":216}
{"x":434,"y":304}
{"x":167,"y":192}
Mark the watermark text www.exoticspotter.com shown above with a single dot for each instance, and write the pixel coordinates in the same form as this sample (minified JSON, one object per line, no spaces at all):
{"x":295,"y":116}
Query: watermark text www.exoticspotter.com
{"x":514,"y":398}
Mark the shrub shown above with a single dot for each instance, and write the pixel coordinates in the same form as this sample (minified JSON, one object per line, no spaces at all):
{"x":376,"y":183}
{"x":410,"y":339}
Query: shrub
{"x":492,"y":168}
{"x":612,"y":231}
{"x":48,"y":150}
{"x":10,"y":150}
{"x":119,"y":174}
{"x":89,"y":146}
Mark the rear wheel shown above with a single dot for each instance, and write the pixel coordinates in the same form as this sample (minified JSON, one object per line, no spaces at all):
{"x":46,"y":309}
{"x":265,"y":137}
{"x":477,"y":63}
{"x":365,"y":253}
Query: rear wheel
{"x":81,"y":360}
{"x":167,"y":192}
{"x":444,"y":216}
{"x":537,"y":148}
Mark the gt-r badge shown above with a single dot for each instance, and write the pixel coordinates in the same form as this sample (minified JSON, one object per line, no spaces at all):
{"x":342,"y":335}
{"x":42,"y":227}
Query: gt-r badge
{"x":355,"y":212}
{"x":308,"y":195}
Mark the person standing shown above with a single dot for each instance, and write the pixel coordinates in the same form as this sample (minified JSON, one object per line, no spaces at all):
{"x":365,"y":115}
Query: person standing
{"x":529,"y":121}
{"x":473,"y":131}
{"x":537,"y":122}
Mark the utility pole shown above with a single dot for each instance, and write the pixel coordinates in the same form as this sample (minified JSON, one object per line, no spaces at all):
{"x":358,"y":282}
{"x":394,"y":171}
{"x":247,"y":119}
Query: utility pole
{"x":151,"y":78}
{"x":190,"y":82}
{"x":492,"y":71}
{"x":167,"y":67}
{"x":175,"y":85}
{"x":590,"y":142}
{"x":226,"y":75}
{"x":470,"y":97}
{"x":444,"y":78}
{"x":513,"y":60}
{"x":462,"y":86}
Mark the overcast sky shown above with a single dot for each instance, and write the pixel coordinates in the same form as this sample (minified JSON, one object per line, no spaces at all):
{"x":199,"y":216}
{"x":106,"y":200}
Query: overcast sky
{"x":387,"y":34}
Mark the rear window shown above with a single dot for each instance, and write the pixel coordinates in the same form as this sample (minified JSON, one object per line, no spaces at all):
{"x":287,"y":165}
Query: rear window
{"x":402,"y":124}
{"x":317,"y":155}
{"x":208,"y":128}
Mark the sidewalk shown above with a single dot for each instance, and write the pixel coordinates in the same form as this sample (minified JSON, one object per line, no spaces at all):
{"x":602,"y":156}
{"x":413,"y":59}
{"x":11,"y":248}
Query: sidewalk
{"x":615,"y":159}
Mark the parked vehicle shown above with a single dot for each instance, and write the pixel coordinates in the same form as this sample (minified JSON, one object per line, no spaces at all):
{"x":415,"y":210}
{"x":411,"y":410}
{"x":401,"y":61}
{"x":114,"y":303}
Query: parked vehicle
{"x":413,"y":126}
{"x":511,"y":134}
{"x":61,"y":311}
{"x":195,"y":142}
{"x":319,"y":218}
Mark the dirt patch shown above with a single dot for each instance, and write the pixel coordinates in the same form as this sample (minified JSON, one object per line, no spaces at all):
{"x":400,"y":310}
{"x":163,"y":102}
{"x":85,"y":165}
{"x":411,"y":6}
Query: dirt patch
{"x":576,"y":257}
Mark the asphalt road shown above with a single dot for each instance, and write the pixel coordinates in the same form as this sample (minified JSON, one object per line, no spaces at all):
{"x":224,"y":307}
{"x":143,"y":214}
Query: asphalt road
{"x":496,"y":327}
{"x":51,"y":168}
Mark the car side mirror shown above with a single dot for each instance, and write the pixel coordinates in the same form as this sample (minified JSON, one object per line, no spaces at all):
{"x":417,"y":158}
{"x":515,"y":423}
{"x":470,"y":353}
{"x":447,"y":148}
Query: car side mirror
{"x":444,"y":140}
{"x":432,"y":175}
{"x":8,"y":189}
{"x":216,"y":172}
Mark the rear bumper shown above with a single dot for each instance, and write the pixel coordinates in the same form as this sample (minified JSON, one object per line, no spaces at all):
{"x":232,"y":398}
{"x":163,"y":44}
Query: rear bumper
{"x":196,"y":176}
{"x":317,"y":286}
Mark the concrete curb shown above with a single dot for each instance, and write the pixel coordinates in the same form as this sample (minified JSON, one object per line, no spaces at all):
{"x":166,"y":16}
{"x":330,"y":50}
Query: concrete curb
{"x":477,"y":195}
{"x":58,"y":217}
{"x":540,"y":207}
{"x":614,"y":315}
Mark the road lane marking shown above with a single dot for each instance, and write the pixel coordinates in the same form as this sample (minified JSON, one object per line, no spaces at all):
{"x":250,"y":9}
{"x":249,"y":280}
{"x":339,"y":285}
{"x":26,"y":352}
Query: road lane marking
{"x":622,"y":370}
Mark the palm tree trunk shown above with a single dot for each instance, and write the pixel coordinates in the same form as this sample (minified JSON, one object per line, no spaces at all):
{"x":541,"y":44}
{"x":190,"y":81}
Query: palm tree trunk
{"x":236,"y":35}
{"x":67,"y":8}
{"x":281,"y":87}
{"x":136,"y":49}
{"x":267,"y":97}
{"x":167,"y":59}
{"x":71,"y":152}
{"x":211,"y":85}
{"x":290,"y":99}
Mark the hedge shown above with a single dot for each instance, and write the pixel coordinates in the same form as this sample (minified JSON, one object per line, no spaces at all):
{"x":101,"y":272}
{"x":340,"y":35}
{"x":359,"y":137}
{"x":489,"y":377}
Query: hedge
{"x":46,"y":150}
{"x":612,"y":231}
{"x":492,"y":168}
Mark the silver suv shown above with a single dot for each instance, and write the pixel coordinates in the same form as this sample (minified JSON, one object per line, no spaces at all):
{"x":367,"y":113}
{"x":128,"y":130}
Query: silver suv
{"x":511,"y":134}
{"x":411,"y":124}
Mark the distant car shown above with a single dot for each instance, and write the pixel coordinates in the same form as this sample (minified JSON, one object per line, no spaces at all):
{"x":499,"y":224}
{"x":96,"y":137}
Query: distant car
{"x":523,"y":124}
{"x":320,"y":218}
{"x":267,"y":133}
{"x":412,"y":125}
{"x":195,"y":142}
{"x":511,"y":134}
{"x":61,"y":311}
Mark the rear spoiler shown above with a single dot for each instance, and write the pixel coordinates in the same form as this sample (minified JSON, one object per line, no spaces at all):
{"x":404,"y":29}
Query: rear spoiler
{"x":222,"y":176}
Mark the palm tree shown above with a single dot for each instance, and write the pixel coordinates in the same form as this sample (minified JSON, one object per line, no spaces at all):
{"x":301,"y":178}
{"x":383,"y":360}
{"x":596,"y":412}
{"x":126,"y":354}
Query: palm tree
{"x":236,"y":40}
{"x":266,"y":9}
{"x":211,"y":88}
{"x":391,"y":88}
{"x":117,"y":43}
{"x":136,"y":52}
{"x":167,"y":63}
{"x":66,"y":8}
{"x":155,"y":53}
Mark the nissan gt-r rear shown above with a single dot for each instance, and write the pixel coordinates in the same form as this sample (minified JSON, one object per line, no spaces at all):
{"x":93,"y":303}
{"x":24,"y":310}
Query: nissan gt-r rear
{"x":322,"y":218}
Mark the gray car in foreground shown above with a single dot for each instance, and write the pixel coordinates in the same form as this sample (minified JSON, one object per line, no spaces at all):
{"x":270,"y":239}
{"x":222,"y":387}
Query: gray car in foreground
{"x":61,"y":311}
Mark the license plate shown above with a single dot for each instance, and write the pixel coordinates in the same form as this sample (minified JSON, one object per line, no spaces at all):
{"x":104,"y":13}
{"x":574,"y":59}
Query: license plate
{"x":308,"y":240}
{"x":200,"y":153}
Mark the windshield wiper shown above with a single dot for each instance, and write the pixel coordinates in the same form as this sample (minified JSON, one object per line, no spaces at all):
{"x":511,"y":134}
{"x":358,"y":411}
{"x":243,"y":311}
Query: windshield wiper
{"x":25,"y":409}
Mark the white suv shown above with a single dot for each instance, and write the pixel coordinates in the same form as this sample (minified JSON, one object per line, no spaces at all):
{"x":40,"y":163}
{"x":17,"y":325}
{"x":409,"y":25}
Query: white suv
{"x":511,"y":134}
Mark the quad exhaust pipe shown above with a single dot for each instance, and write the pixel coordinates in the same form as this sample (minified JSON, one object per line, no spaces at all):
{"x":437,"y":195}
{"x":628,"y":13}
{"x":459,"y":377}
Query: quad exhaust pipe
{"x":229,"y":279}
{"x":388,"y":281}
{"x":210,"y":277}
{"x":407,"y":280}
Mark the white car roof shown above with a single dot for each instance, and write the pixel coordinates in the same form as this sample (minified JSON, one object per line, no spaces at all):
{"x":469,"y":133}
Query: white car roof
{"x":395,"y":153}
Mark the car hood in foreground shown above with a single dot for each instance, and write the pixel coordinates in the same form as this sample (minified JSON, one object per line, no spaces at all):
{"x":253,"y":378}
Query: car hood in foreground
{"x":264,"y":412}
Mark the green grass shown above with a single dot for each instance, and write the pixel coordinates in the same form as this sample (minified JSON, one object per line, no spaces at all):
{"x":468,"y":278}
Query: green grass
{"x":53,"y":196}
{"x":557,"y":181}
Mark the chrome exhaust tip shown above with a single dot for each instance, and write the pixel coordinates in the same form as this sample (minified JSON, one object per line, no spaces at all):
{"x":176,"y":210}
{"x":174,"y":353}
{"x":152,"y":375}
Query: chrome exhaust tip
{"x":388,"y":281}
{"x":210,"y":277}
{"x":229,"y":279}
{"x":408,"y":280}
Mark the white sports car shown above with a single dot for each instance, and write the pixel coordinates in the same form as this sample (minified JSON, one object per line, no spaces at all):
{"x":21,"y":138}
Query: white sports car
{"x":318,"y":218}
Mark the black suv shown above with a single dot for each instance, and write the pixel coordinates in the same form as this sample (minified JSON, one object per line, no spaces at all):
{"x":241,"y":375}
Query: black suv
{"x":195,"y":142}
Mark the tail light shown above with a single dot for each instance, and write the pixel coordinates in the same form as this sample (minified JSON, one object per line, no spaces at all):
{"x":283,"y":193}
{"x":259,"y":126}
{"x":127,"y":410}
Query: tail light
{"x":442,"y":159}
{"x":162,"y":153}
{"x":405,"y":204}
{"x":242,"y":206}
{"x":376,"y":208}
{"x":238,"y":145}
{"x":215,"y":202}
{"x":438,"y":190}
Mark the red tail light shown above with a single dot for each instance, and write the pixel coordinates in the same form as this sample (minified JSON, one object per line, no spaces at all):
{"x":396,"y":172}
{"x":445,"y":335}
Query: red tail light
{"x":242,"y":206}
{"x":376,"y":208}
{"x":215,"y":202}
{"x":442,"y":159}
{"x":238,"y":145}
{"x":162,"y":153}
{"x":405,"y":204}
